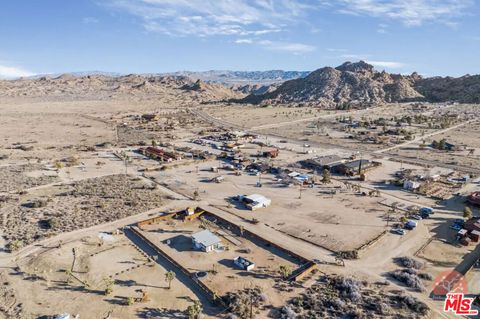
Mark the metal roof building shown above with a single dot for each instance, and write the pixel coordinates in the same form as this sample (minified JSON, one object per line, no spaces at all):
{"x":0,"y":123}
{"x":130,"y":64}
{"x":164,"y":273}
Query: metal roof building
{"x":205,"y":240}
{"x":256,"y":201}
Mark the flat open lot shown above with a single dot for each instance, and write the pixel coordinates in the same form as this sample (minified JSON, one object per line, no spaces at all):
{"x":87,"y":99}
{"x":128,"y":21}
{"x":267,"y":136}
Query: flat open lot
{"x":253,"y":116}
{"x":337,"y":222}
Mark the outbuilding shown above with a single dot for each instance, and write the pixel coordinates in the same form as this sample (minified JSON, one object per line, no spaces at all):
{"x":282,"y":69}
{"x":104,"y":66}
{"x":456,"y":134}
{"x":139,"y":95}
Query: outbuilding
{"x":205,"y":241}
{"x":243,"y":263}
{"x":255,"y":201}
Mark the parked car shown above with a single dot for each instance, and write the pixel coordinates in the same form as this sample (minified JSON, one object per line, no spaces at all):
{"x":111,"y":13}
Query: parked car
{"x":410,"y":224}
{"x":417,"y":217}
{"x":426,"y":210}
{"x":456,"y":227}
{"x":425,"y":215}
{"x":398,"y":231}
{"x":459,"y":222}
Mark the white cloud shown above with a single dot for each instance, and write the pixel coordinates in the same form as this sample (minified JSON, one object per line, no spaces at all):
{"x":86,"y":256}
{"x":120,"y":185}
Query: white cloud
{"x":355,"y":56}
{"x":409,"y":12}
{"x":297,"y":48}
{"x":290,"y":47}
{"x":90,"y":20}
{"x":336,"y":50}
{"x":386,"y":64}
{"x":9,"y":72}
{"x":244,"y":41}
{"x":213,"y":17}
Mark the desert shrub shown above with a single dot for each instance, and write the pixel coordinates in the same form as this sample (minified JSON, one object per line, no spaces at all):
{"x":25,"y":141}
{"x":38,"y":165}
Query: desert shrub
{"x":288,"y":313}
{"x":14,"y":245}
{"x":425,"y":276}
{"x":412,"y":304}
{"x":409,"y":278}
{"x":348,"y":254}
{"x":409,"y":262}
{"x":240,"y":302}
{"x":35,"y":203}
{"x":349,"y":288}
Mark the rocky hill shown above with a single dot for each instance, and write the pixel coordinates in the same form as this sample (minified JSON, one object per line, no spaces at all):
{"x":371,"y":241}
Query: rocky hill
{"x":354,"y":83}
{"x":360,"y":84}
{"x":255,"y":89}
{"x":465,"y":89}
{"x":69,"y":86}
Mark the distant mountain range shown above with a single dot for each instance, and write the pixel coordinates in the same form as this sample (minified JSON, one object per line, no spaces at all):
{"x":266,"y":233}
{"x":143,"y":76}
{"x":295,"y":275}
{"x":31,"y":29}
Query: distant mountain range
{"x":359,"y":83}
{"x":347,"y":85}
{"x":213,"y":76}
{"x":243,"y":77}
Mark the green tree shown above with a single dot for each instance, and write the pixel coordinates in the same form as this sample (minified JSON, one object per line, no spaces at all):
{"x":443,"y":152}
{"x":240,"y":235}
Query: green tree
{"x":169,"y":276}
{"x":467,"y":212}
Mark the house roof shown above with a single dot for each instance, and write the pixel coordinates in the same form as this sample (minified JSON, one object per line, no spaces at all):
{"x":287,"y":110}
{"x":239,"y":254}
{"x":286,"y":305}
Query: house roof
{"x":206,"y":238}
{"x":356,"y":163}
{"x":326,"y":160}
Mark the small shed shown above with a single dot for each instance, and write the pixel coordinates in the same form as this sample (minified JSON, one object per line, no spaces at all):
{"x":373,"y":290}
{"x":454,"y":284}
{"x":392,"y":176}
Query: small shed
{"x":205,"y":241}
{"x":256,"y":201}
{"x":410,"y":185}
{"x":243,"y":263}
{"x":475,"y":236}
{"x":217,"y":179}
{"x":461,"y":234}
{"x":465,"y":241}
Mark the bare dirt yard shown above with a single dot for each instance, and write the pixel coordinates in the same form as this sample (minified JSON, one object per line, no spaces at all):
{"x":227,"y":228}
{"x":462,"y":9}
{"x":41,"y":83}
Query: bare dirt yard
{"x":253,"y":116}
{"x":52,"y":283}
{"x":174,"y":238}
{"x":48,"y":211}
{"x":341,"y":221}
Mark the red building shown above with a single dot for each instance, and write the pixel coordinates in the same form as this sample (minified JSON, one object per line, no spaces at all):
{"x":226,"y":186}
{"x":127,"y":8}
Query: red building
{"x":474,"y":198}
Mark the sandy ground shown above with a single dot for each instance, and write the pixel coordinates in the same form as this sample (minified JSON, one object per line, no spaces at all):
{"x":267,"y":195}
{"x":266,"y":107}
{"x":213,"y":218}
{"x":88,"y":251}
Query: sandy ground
{"x":51,"y":291}
{"x":267,"y":259}
{"x":342,"y":222}
{"x":39,"y":132}
{"x":78,"y":205}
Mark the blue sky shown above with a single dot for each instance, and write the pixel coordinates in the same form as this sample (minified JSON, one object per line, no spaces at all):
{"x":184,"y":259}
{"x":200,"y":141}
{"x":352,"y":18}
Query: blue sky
{"x":433,"y":37}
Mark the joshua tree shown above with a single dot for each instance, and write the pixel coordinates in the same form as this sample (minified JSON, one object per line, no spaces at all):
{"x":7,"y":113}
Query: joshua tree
{"x":285,"y":271}
{"x":326,"y":176}
{"x":130,"y":301}
{"x":194,"y":311}
{"x":467,"y":212}
{"x":169,"y":276}
{"x":108,"y":281}
{"x":14,"y":245}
